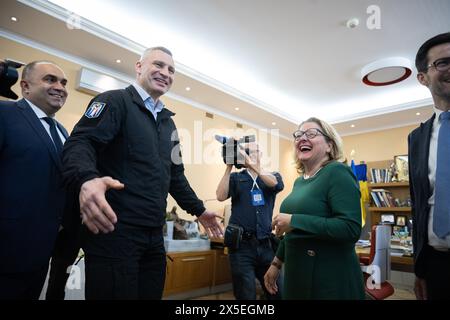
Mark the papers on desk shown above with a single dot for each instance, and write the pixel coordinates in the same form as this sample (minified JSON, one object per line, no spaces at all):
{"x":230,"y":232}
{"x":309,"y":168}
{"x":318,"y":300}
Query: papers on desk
{"x":363,"y":243}
{"x":399,"y":250}
{"x":396,"y":254}
{"x":399,"y":247}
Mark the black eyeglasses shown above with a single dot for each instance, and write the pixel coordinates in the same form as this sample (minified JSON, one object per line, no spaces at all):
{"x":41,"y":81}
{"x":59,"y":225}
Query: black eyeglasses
{"x":441,"y":65}
{"x":310,"y":133}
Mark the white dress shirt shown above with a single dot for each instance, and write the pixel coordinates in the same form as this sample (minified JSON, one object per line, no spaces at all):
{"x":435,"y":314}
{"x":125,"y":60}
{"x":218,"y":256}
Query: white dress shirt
{"x":41,"y":114}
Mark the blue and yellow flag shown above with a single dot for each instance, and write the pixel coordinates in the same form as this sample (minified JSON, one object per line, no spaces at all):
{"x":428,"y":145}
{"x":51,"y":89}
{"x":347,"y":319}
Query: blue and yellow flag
{"x":360,"y":171}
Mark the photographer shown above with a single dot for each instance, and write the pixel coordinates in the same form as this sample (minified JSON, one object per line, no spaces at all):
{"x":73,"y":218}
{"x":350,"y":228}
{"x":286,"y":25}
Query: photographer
{"x":248,"y":234}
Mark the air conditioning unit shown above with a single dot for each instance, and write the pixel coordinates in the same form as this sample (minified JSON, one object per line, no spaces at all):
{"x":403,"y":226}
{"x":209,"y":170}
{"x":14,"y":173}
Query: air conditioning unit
{"x":93,"y":82}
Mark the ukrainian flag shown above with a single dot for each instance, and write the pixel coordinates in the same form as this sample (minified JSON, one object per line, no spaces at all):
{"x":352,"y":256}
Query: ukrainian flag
{"x":360,"y":172}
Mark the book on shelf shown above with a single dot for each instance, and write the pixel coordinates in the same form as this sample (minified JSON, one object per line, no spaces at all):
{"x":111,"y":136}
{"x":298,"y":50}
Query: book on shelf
{"x":383,"y":198}
{"x":381,"y":175}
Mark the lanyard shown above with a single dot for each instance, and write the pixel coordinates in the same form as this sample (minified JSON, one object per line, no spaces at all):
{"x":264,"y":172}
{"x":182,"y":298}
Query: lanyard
{"x":254,"y":181}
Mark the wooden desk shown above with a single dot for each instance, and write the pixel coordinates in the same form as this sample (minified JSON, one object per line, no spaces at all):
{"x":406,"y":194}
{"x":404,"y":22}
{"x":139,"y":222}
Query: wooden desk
{"x":402,"y":263}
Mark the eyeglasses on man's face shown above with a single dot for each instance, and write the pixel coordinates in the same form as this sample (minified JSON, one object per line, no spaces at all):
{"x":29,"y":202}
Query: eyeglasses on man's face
{"x":440,"y":65}
{"x":310,"y":133}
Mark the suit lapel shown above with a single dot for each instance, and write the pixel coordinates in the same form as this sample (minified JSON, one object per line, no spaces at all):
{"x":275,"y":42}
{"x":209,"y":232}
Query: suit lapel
{"x":37,"y":126}
{"x":424,"y":151}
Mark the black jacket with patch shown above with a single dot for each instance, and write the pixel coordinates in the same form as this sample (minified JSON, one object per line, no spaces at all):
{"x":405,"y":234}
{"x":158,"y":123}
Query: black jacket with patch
{"x":126,"y":143}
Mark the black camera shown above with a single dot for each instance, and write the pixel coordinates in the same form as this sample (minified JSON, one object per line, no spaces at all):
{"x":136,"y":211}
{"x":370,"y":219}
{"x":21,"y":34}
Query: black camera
{"x":8,"y":77}
{"x":230,"y":149}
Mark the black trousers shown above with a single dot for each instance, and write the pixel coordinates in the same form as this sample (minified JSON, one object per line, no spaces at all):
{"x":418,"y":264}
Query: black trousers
{"x":251,"y":261}
{"x":437,"y":275}
{"x":22,"y":286}
{"x":128,"y":263}
{"x":66,"y":250}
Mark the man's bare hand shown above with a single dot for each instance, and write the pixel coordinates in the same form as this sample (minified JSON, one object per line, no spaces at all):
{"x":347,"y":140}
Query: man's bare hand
{"x":209,"y":221}
{"x":96,"y":213}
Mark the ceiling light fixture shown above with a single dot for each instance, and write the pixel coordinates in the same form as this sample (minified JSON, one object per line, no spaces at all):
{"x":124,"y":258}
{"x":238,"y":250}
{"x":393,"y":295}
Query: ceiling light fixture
{"x":352,"y":126}
{"x":118,"y":61}
{"x":237,"y":109}
{"x":418,"y":114}
{"x":386,"y":71}
{"x":188,"y":88}
{"x":274,"y":123}
{"x":14,"y":19}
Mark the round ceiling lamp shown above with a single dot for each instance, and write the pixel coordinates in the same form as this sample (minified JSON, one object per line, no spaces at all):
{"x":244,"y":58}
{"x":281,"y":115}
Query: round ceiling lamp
{"x":386,"y":71}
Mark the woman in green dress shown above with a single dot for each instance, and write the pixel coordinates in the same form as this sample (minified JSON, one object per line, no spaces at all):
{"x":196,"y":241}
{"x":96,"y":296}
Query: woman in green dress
{"x":321,"y":220}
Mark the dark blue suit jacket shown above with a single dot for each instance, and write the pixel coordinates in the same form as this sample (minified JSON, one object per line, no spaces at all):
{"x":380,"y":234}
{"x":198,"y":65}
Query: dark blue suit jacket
{"x":419,"y":185}
{"x":32,"y":196}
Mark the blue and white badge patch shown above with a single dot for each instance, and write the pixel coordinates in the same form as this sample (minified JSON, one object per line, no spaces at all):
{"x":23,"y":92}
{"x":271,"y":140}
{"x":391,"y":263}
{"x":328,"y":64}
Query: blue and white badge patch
{"x":95,"y":109}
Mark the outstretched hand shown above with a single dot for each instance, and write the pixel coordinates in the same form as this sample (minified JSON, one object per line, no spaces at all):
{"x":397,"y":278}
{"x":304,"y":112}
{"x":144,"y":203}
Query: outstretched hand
{"x":208,"y":219}
{"x":96,"y":213}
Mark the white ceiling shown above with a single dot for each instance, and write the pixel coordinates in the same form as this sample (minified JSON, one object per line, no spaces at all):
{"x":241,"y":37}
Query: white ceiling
{"x":278,"y":61}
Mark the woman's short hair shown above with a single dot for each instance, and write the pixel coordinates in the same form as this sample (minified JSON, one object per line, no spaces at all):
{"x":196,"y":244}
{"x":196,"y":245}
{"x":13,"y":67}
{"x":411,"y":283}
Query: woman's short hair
{"x":331,"y":136}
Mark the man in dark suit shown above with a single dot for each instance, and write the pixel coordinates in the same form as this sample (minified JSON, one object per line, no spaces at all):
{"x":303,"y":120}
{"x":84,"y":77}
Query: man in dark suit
{"x":32,"y":197}
{"x":429,"y":175}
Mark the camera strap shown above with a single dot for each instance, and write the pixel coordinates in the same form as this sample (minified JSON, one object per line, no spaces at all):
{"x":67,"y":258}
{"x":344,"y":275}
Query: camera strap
{"x":256,"y":194}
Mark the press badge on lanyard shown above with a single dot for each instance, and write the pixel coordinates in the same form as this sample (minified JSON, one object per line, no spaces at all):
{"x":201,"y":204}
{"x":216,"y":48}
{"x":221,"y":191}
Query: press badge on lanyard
{"x":256,"y":194}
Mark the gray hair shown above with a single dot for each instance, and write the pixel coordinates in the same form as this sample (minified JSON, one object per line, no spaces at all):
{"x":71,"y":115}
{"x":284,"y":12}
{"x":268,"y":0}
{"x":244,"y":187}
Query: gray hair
{"x":149,"y":50}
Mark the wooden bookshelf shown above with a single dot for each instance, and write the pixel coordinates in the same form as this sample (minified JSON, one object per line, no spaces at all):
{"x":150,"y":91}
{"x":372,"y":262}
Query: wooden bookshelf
{"x":389,"y":185}
{"x":390,"y":209}
{"x":398,"y":190}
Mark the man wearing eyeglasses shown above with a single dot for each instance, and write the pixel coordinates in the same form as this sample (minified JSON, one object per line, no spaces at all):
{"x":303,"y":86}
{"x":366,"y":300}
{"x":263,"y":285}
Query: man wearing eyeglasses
{"x":429,"y":167}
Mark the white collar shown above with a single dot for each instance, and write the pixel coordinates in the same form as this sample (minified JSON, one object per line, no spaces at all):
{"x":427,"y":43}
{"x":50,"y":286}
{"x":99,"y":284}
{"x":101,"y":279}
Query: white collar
{"x":38,"y":111}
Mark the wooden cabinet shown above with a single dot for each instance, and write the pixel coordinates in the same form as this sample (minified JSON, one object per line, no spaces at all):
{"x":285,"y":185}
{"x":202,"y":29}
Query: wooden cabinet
{"x":188,"y":271}
{"x":222,"y":272}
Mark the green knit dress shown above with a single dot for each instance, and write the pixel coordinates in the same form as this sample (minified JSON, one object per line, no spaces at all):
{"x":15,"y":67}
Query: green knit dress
{"x":319,"y":255}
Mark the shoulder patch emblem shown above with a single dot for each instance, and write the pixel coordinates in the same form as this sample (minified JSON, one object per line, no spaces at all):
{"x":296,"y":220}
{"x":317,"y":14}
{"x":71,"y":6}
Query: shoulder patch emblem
{"x":95,"y":109}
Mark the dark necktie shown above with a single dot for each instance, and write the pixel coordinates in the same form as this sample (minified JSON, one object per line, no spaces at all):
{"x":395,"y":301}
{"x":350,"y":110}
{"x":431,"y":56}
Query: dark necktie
{"x":441,"y":215}
{"x":53,"y":132}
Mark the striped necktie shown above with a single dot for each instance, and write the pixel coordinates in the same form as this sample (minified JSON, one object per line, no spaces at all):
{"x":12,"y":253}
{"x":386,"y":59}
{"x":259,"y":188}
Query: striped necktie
{"x":55,"y":136}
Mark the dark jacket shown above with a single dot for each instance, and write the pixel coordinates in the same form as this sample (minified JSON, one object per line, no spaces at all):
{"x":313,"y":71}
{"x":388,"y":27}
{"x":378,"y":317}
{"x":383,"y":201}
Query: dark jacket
{"x":125,"y":142}
{"x":31,"y":189}
{"x":419,"y":185}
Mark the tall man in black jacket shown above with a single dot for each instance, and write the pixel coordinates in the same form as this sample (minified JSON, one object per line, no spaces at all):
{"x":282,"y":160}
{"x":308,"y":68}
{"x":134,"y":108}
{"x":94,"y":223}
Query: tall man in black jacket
{"x":430,"y":175}
{"x":124,"y":157}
